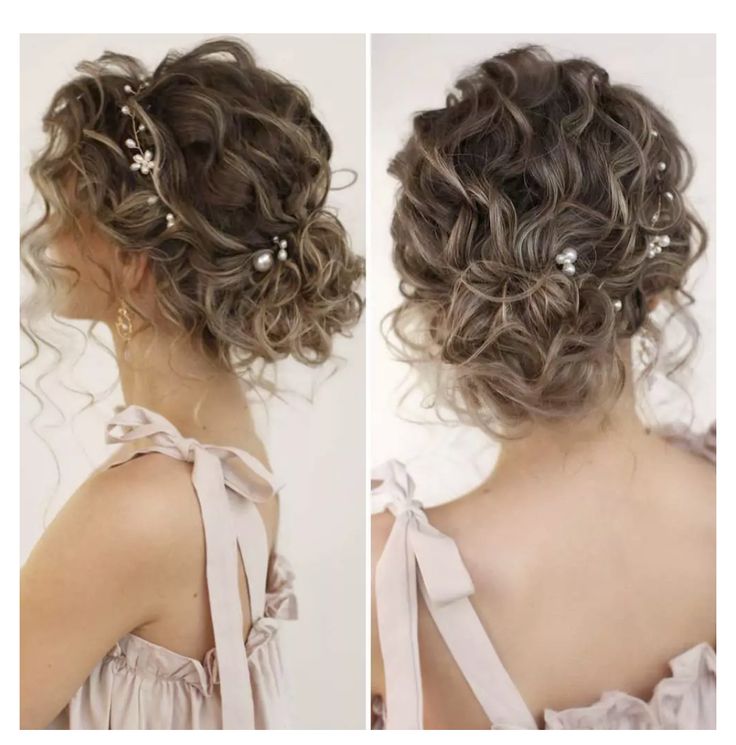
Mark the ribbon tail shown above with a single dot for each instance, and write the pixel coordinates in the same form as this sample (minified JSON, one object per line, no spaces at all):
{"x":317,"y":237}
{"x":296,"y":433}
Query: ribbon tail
{"x":222,"y":582}
{"x":446,"y":587}
{"x":442,"y":569}
{"x":396,"y":609}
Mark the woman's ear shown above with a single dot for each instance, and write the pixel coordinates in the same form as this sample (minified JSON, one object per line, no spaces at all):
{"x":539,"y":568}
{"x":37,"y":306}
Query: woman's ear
{"x":133,"y":270}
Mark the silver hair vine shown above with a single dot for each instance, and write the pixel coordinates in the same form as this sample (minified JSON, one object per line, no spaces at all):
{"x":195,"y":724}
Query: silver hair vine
{"x":658,"y":242}
{"x":655,"y":244}
{"x":143,"y":159}
{"x":566,"y":258}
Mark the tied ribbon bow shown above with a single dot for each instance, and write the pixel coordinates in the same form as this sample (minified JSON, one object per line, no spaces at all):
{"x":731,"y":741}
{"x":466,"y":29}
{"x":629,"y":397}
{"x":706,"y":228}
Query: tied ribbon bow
{"x":442,"y":570}
{"x":135,"y":422}
{"x":418,"y":554}
{"x":412,"y":545}
{"x":394,"y":489}
{"x":210,"y":476}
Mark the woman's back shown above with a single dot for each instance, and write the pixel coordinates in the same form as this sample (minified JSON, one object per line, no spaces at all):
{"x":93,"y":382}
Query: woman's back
{"x":206,"y":580}
{"x":591,"y":572}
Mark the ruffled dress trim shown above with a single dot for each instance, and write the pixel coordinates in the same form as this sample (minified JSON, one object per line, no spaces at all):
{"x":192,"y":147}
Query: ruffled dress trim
{"x":685,"y":700}
{"x":142,"y":685}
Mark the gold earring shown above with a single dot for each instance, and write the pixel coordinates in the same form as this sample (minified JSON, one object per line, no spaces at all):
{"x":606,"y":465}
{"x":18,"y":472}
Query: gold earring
{"x":124,"y":323}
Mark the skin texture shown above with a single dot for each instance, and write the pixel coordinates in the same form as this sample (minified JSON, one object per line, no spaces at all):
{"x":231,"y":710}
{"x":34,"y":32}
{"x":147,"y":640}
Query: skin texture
{"x":592,"y":551}
{"x":126,"y":552}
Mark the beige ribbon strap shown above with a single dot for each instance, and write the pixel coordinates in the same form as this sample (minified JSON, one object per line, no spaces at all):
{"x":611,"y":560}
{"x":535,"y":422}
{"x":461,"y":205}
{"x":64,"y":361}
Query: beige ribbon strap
{"x":417,"y":554}
{"x":210,"y":476}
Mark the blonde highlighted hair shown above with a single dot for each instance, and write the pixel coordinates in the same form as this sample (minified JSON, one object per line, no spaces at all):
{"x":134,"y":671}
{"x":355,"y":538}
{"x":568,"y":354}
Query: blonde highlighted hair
{"x":528,"y":157}
{"x":241,"y":157}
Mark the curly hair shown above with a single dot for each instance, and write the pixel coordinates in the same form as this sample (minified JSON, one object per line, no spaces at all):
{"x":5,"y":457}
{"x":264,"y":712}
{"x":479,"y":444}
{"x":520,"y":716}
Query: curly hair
{"x":240,"y":157}
{"x":529,"y":157}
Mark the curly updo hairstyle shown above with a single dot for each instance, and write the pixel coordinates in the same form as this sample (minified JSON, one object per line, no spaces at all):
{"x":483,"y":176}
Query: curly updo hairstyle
{"x":529,"y":157}
{"x":240,"y":157}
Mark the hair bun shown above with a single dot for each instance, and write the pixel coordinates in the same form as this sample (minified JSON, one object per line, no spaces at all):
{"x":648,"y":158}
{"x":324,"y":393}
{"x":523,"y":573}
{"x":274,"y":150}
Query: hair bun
{"x":240,"y":157}
{"x":529,"y":158}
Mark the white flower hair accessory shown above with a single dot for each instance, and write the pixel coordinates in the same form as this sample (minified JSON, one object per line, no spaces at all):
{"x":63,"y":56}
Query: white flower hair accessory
{"x":143,"y":159}
{"x":141,"y":162}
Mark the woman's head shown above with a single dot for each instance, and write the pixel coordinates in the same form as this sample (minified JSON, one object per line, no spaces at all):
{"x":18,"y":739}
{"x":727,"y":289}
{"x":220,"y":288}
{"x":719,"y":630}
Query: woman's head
{"x":531,"y":157}
{"x":239,"y":157}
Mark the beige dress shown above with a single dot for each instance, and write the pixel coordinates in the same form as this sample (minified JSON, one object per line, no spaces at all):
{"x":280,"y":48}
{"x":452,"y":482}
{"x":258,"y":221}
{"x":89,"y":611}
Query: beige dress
{"x":237,"y":685}
{"x":419,"y":558}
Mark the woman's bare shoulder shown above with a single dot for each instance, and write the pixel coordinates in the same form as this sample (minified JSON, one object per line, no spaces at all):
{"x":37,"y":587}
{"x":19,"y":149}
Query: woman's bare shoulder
{"x":147,"y":504}
{"x":146,"y":486}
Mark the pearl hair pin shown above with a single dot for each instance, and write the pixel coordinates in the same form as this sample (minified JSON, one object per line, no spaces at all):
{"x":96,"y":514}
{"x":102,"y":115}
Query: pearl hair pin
{"x":142,"y":157}
{"x":658,"y":242}
{"x":263,"y":260}
{"x":566,"y":259}
{"x":282,"y":244}
{"x":655,"y":246}
{"x":143,"y":161}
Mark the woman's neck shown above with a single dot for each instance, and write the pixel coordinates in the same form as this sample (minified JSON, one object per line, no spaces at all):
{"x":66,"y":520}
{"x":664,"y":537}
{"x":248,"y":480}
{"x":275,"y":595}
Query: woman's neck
{"x":184,"y":386}
{"x":605,"y":438}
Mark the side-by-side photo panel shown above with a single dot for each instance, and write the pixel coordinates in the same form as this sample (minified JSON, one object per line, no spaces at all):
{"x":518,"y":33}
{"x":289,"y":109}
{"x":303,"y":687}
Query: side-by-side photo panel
{"x":543,"y":437}
{"x":193,"y":532}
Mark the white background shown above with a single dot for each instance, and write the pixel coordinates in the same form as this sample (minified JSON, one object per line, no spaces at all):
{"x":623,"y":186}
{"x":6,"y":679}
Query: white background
{"x":317,"y":450}
{"x":411,"y":73}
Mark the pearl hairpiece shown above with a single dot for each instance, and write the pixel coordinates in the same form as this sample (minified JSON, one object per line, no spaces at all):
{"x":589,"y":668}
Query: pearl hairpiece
{"x":655,"y":246}
{"x":566,"y":259}
{"x":263,"y":259}
{"x":143,"y":160}
{"x":658,"y":242}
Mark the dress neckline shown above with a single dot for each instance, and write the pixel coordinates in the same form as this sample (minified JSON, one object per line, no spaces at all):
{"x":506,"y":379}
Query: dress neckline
{"x":685,"y":667}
